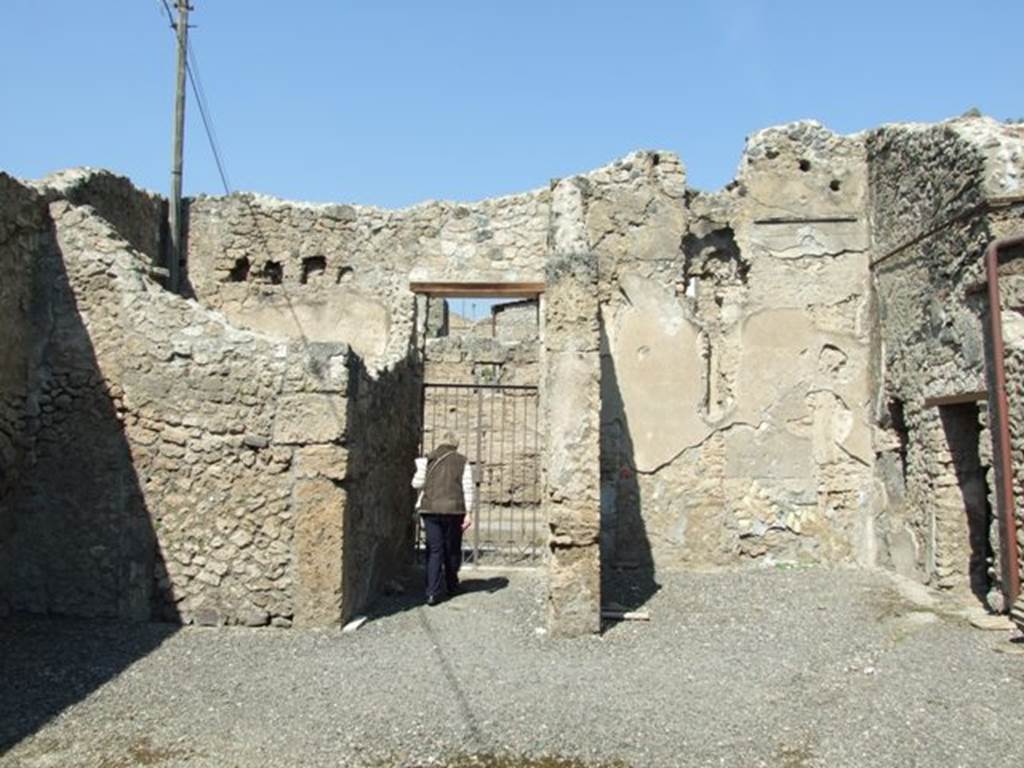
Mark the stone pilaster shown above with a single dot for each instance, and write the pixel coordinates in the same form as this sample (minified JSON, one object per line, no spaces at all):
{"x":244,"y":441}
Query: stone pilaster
{"x":313,"y":417}
{"x":571,"y":400}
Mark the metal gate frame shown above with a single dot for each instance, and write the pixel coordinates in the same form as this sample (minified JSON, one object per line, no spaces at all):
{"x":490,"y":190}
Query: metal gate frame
{"x":462,"y":396}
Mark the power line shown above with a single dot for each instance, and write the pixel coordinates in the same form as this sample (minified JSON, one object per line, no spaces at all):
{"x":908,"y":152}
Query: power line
{"x":195,"y":81}
{"x":204,"y":112}
{"x":167,"y":8}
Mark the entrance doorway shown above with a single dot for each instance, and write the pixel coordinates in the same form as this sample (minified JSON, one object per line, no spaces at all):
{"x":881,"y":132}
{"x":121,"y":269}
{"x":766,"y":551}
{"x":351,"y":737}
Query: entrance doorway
{"x":480,"y":348}
{"x":498,"y":430}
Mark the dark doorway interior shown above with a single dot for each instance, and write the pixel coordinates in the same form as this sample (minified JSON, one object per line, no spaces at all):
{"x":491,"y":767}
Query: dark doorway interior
{"x":962,"y":428}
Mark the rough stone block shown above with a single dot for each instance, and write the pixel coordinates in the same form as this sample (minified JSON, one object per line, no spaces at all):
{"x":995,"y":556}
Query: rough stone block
{"x":574,"y":591}
{"x":310,"y":418}
{"x":330,"y":461}
{"x":319,"y":508}
{"x":571,"y":314}
{"x":573,"y":428}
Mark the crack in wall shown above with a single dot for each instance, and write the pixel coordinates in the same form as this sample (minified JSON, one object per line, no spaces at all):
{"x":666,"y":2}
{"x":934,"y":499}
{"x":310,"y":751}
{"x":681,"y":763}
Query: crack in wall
{"x":699,"y":445}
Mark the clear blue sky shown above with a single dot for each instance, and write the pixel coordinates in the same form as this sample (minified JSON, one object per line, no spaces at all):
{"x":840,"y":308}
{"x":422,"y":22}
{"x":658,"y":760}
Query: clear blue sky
{"x":390,"y":103}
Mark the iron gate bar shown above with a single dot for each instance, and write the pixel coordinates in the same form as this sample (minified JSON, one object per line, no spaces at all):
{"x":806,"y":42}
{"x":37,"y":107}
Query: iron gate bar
{"x":537,"y":459}
{"x":531,"y":387}
{"x":506,"y":501}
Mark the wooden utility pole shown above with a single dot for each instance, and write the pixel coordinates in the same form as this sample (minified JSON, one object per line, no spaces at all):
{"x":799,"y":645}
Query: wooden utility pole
{"x":174,"y":266}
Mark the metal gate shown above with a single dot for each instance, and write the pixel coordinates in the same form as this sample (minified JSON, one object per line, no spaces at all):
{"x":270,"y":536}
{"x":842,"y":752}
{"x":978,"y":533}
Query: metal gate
{"x":498,"y":432}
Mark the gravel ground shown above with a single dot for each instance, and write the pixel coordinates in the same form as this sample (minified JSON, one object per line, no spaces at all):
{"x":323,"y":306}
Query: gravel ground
{"x":788,"y":668}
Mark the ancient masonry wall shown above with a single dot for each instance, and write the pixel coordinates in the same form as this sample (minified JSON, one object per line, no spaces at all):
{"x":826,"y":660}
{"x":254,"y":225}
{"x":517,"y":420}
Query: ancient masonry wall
{"x":138,"y":216}
{"x":935,"y":206}
{"x":743,"y":340}
{"x":735,"y":327}
{"x":173,"y":465}
{"x":341,"y":272}
{"x":23,"y":233}
{"x":477,"y":359}
{"x":382,"y":438}
{"x":736,"y":355}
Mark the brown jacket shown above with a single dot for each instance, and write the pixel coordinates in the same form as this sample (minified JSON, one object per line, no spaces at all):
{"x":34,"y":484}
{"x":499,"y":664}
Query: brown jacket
{"x":442,"y":490}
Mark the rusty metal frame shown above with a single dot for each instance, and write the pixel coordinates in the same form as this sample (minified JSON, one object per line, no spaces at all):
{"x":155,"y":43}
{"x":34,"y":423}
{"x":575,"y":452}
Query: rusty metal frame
{"x":1007,"y":516}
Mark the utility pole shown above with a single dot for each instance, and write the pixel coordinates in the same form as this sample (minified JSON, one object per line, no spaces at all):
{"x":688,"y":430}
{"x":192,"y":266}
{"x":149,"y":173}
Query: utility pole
{"x":174,"y":267}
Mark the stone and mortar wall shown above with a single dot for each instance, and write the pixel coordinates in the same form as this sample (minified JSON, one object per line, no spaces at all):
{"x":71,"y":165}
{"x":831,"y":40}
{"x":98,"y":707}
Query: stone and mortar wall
{"x":929,"y":232}
{"x":341,"y":272}
{"x":23,"y":233}
{"x":476,"y":359}
{"x":740,"y":343}
{"x":175,"y":466}
{"x":137,"y":215}
{"x":382,"y":439}
{"x":735,"y":327}
{"x":516,"y":321}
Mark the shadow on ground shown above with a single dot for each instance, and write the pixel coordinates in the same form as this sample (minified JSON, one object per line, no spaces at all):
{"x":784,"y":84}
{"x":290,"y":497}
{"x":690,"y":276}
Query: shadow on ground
{"x":76,"y":536}
{"x":408,"y":592}
{"x":47,"y":665}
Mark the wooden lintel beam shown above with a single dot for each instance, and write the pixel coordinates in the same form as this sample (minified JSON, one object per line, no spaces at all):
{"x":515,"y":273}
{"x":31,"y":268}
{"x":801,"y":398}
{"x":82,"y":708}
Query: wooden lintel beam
{"x":478,"y":290}
{"x":808,"y":220}
{"x":957,"y":399}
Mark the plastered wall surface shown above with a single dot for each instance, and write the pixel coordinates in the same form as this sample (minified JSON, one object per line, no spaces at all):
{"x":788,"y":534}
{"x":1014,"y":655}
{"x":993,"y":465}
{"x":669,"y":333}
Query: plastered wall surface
{"x":737,"y":350}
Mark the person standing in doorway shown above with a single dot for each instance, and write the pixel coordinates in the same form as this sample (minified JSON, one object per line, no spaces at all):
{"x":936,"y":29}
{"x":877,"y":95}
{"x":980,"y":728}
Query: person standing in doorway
{"x":445,"y":506}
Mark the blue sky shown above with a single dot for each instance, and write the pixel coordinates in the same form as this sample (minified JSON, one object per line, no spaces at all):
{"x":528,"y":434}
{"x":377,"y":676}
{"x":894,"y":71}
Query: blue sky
{"x":391,"y":103}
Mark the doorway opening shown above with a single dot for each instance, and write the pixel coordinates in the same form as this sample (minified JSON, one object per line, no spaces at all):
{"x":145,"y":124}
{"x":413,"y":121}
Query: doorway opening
{"x":969,"y":556}
{"x":480,"y":350}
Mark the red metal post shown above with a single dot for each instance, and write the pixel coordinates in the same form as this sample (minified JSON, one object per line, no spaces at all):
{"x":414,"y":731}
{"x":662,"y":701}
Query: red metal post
{"x":1004,"y":450}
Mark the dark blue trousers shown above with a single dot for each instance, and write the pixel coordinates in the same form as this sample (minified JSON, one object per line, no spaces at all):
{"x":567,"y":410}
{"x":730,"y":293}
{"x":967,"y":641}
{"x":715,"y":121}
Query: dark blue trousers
{"x":444,"y":553}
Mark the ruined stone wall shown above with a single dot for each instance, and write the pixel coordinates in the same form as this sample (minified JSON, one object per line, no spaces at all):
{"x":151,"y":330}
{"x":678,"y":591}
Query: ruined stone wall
{"x":137,"y":215}
{"x":382,"y":438}
{"x":515,"y":321}
{"x":735,"y":327}
{"x":175,"y":466}
{"x":341,"y":272}
{"x":736,"y":355}
{"x":760,"y":398}
{"x":930,"y":226}
{"x":476,"y":359}
{"x":23,"y":233}
{"x":571,"y":479}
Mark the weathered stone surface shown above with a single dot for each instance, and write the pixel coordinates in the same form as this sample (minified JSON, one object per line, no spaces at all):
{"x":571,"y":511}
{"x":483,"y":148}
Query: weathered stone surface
{"x":930,"y":232}
{"x":328,"y":316}
{"x":765,"y":362}
{"x":329,"y":461}
{"x":574,"y":589}
{"x":309,"y":418}
{"x":570,"y":393}
{"x":159,"y":484}
{"x":319,"y":537}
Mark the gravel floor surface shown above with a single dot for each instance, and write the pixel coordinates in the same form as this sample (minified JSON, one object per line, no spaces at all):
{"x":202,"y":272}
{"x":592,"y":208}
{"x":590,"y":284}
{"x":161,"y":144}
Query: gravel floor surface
{"x":790,"y":668}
